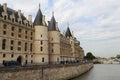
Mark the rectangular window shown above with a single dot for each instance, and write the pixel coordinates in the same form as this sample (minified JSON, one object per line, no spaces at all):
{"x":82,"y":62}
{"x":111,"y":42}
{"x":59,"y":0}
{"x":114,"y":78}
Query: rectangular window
{"x":12,"y":28}
{"x":41,"y":48}
{"x":4,"y":32}
{"x":19,"y":43}
{"x":3,"y":44}
{"x":41,"y":42}
{"x":19,"y":48}
{"x":43,"y":59}
{"x":11,"y":48}
{"x":4,"y":26}
{"x":25,"y":46}
{"x":12,"y":34}
{"x":4,"y":55}
{"x":12,"y":42}
{"x":19,"y":30}
{"x":19,"y":35}
{"x":31,"y":47}
{"x":12,"y":55}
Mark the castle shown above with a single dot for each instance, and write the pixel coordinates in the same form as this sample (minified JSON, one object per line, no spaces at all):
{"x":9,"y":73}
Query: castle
{"x":35,"y":42}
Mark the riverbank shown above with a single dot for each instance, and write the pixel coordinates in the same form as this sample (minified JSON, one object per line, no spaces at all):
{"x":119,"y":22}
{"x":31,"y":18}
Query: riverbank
{"x":49,"y":72}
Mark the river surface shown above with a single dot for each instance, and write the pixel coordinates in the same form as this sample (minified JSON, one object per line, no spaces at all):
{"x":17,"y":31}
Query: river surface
{"x":102,"y":72}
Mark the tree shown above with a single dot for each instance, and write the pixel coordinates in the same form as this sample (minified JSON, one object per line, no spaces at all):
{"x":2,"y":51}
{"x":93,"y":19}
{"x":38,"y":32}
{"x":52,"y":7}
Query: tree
{"x":89,"y":56}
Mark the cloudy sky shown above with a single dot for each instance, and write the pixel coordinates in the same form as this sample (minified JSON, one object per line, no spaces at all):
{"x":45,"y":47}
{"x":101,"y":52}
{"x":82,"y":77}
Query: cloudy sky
{"x":95,"y":23}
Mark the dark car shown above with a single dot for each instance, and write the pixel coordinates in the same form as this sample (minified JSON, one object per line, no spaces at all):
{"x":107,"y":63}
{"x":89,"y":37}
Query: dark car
{"x":11,"y":63}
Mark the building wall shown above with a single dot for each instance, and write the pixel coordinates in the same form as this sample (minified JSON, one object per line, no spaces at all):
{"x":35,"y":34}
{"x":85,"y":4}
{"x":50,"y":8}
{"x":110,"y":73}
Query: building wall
{"x":33,"y":44}
{"x":65,"y":48}
{"x":41,"y":44}
{"x":16,"y":36}
{"x":54,"y":46}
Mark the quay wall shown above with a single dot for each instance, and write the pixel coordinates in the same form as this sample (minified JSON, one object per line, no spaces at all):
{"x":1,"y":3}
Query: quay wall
{"x":50,"y":72}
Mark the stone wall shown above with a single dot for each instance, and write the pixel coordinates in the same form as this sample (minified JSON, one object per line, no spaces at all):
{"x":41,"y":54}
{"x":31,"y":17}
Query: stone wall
{"x":52,"y":72}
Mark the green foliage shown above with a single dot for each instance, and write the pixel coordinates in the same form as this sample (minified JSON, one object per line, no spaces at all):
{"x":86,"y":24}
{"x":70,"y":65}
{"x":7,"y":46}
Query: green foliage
{"x":89,"y":56}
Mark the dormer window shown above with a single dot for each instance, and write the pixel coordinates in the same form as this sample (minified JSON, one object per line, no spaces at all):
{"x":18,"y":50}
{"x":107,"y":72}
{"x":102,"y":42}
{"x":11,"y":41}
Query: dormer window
{"x":5,"y":17}
{"x":13,"y":20}
{"x":26,"y":24}
{"x":19,"y":22}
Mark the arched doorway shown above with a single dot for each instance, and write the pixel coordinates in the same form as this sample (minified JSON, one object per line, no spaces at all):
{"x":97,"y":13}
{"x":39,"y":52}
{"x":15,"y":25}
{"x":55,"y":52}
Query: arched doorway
{"x":19,"y":59}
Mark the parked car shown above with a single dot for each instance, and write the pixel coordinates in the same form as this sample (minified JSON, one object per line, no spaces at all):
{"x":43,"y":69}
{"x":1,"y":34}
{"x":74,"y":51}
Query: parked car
{"x":11,"y":63}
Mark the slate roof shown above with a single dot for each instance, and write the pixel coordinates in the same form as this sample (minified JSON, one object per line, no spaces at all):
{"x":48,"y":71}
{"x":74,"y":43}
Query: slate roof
{"x":10,"y":12}
{"x":52,"y":24}
{"x":38,"y":18}
{"x":68,"y":33}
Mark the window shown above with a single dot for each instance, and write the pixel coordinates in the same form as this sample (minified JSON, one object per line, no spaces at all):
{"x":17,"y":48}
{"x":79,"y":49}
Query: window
{"x":26,"y":61}
{"x":4,"y":32}
{"x":57,"y":59}
{"x":52,"y":50}
{"x":43,"y":59}
{"x":31,"y":61}
{"x":19,"y":43}
{"x":41,"y":48}
{"x":25,"y":32}
{"x":41,"y":35}
{"x":12,"y":34}
{"x":25,"y":46}
{"x":31,"y":56}
{"x":12,"y":42}
{"x":12,"y":55}
{"x":5,"y":17}
{"x":11,"y":48}
{"x":19,"y":48}
{"x":12,"y":20}
{"x":4,"y":26}
{"x":19,"y":22}
{"x":41,"y":42}
{"x":3,"y":44}
{"x":19,"y":30}
{"x":19,"y":35}
{"x":31,"y":38}
{"x":31,"y":47}
{"x":12,"y":28}
{"x":3,"y":62}
{"x":4,"y":55}
{"x":26,"y":56}
{"x":31,"y":33}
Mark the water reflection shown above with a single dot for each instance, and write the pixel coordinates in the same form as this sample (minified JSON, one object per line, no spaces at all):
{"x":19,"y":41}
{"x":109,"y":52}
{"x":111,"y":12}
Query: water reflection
{"x":102,"y":72}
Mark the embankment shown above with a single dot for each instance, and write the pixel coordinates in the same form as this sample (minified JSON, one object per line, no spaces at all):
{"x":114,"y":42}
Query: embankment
{"x":50,"y":72}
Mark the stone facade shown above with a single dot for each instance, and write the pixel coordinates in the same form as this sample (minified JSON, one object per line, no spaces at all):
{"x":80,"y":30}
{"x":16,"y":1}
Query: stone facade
{"x":35,"y":42}
{"x":56,"y":72}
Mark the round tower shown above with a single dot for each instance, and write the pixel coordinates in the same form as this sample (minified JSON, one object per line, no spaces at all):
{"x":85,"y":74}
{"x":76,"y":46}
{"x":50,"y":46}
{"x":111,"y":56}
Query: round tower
{"x":54,"y":41}
{"x":41,"y":39}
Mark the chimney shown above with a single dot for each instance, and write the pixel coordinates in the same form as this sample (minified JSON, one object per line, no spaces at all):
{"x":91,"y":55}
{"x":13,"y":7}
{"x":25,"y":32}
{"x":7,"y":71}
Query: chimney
{"x":43,"y":19}
{"x":72,"y":34}
{"x":57,"y":25}
{"x":64,"y":32}
{"x":5,"y":7}
{"x":30,"y":18}
{"x":19,"y":13}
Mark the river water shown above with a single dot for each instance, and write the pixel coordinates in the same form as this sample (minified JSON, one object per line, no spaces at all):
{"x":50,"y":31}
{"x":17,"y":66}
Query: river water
{"x":102,"y":72}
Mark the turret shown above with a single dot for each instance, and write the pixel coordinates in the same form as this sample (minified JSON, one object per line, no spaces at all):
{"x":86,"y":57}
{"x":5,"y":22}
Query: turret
{"x":54,"y":40}
{"x":69,"y":35}
{"x":41,"y":38}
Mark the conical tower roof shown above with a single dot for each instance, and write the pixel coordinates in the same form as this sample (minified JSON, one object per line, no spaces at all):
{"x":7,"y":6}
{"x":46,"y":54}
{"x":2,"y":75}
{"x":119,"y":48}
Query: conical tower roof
{"x":38,"y":18}
{"x":52,"y":24}
{"x":68,"y":33}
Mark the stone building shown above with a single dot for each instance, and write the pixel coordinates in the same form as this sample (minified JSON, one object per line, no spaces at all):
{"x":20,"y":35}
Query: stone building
{"x":35,"y":42}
